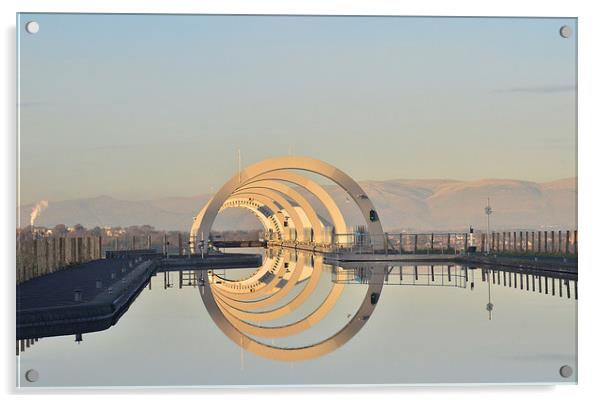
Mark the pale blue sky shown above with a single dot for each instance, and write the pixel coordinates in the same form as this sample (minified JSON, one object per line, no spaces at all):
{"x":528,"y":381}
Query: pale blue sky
{"x":149,"y":106}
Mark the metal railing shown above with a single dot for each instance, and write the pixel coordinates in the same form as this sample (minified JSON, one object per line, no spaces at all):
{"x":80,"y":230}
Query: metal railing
{"x":403,"y":243}
{"x":554,"y":243}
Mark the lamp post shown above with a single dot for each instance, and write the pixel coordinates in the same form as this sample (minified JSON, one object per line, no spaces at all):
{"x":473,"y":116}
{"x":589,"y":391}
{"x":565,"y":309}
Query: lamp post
{"x":489,"y":305}
{"x":488,"y":211}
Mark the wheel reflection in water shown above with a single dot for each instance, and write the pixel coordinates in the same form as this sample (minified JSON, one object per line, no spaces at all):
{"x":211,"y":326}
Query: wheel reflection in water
{"x":233,"y":306}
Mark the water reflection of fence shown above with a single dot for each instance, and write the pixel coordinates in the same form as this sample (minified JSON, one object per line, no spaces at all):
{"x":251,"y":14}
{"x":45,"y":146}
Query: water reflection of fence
{"x":433,"y":275}
{"x":37,"y":257}
{"x":532,"y":282}
{"x":186,"y":278}
{"x":560,"y":243}
{"x":25,"y":343}
{"x":563,"y":285}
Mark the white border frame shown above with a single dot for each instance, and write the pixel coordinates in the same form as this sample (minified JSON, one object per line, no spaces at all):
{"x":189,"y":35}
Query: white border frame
{"x":589,"y":166}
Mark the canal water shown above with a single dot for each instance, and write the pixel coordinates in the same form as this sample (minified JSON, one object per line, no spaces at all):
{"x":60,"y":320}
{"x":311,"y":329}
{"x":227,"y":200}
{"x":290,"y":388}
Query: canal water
{"x":428,"y":324}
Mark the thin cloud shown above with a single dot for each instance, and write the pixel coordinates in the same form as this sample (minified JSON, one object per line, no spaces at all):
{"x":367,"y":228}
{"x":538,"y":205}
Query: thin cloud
{"x":138,"y":146}
{"x":541,"y":89}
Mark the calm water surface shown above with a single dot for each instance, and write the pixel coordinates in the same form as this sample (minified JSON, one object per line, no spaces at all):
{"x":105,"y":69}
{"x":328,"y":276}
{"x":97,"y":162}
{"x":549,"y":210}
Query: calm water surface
{"x":428,"y":324}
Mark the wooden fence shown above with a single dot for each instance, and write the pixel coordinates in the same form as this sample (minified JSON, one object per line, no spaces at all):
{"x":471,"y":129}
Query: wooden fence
{"x":46,"y":255}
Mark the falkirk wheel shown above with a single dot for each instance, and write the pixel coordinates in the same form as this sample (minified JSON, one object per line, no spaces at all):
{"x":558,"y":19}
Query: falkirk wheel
{"x":243,"y":308}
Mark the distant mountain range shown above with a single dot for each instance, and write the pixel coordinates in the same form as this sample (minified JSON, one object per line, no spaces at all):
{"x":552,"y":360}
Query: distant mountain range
{"x":420,"y":205}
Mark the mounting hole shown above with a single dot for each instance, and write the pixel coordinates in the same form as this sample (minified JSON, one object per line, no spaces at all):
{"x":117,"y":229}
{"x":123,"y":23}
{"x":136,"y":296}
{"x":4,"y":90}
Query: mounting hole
{"x":566,"y":371}
{"x":32,"y":375}
{"x":566,"y":31}
{"x":32,"y":27}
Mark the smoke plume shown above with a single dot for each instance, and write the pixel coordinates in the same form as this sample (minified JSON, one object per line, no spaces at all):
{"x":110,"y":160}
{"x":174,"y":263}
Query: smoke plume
{"x":37,"y":210}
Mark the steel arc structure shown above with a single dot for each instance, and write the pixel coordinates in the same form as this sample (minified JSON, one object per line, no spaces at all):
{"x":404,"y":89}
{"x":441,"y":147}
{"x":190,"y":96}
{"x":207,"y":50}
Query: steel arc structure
{"x":286,"y":202}
{"x":269,"y":223}
{"x":246,"y":325}
{"x":276,"y":180}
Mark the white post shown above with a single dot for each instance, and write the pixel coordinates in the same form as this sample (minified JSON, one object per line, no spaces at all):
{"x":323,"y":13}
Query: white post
{"x":488,"y":212}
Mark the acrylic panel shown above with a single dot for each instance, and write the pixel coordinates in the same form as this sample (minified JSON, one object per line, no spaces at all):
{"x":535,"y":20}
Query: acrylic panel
{"x":247,"y":200}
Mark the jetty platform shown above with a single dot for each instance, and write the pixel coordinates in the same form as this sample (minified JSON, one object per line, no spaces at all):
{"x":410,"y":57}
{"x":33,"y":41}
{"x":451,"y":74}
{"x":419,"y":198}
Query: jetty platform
{"x":92,"y":296}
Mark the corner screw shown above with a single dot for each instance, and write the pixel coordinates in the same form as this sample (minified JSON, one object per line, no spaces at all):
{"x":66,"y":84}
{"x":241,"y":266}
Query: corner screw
{"x":566,"y":371}
{"x":32,"y":375}
{"x":565,"y":31}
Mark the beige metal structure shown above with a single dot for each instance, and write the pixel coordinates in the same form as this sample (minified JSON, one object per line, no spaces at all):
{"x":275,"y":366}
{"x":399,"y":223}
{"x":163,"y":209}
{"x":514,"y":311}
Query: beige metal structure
{"x":260,"y":180}
{"x":241,"y":325}
{"x":270,"y":189}
{"x":269,"y":223}
{"x":270,"y":186}
{"x":335,"y":215}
